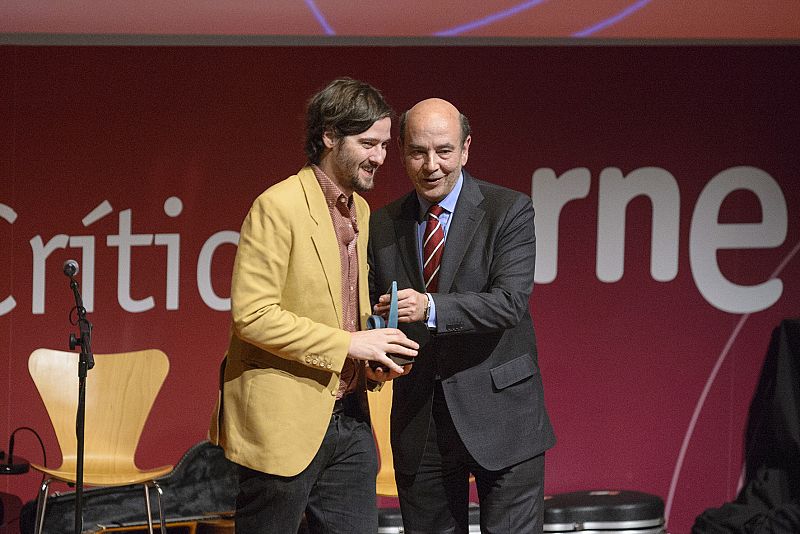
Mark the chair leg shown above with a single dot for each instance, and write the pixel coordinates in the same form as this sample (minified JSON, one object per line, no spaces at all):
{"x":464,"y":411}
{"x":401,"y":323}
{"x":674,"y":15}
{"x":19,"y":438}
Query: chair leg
{"x":147,"y":504}
{"x":41,"y":504}
{"x":159,"y":492}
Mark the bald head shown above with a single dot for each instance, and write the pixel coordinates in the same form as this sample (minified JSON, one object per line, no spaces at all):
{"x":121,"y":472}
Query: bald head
{"x":435,"y":139}
{"x":435,"y":109}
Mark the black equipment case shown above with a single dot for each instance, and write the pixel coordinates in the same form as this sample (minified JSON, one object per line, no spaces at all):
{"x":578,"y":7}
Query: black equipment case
{"x":604,"y":512}
{"x":391,"y":522}
{"x":203,"y":482}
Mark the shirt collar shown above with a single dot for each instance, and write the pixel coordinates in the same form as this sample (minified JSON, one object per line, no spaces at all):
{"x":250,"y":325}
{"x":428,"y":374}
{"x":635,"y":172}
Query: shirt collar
{"x":330,"y":190}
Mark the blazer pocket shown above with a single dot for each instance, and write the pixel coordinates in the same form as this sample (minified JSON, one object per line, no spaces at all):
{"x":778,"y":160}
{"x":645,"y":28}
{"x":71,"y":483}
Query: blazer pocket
{"x":512,"y":372}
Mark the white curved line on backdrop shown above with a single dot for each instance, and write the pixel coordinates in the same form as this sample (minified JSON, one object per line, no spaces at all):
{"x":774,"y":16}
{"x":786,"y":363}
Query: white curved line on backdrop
{"x":709,"y":382}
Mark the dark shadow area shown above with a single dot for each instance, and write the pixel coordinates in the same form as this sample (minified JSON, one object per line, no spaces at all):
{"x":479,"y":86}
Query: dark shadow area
{"x":769,"y":501}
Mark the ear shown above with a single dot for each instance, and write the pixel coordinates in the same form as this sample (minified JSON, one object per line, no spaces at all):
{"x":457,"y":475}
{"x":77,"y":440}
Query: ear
{"x":465,"y":150}
{"x":329,"y":138}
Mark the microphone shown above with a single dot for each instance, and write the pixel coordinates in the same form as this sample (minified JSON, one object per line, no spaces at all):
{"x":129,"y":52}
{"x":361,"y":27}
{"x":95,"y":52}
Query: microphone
{"x":71,"y":268}
{"x":10,"y":468}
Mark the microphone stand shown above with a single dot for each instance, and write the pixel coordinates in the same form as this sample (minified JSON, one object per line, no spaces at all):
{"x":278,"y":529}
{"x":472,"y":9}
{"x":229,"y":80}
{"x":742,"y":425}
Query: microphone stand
{"x":85,"y":362}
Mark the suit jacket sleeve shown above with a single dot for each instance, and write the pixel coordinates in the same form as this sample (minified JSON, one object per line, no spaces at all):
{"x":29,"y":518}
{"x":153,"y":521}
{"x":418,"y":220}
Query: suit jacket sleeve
{"x":492,"y":286}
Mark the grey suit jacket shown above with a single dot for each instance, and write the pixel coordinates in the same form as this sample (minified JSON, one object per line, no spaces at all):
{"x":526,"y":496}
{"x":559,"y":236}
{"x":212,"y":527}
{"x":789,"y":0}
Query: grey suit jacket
{"x":484,"y":346}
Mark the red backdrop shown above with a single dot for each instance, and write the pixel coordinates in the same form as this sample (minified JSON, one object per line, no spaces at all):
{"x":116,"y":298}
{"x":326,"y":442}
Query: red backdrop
{"x":648,"y":372}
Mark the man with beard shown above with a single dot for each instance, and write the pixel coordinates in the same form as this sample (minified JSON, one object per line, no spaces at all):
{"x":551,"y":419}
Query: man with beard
{"x":463,"y":251}
{"x":294,"y":413}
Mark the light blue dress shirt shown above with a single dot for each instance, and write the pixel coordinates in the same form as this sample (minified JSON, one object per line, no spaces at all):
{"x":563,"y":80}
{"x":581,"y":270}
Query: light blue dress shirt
{"x":449,"y":205}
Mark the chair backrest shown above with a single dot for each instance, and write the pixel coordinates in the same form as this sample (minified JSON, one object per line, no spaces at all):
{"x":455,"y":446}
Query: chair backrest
{"x":120,"y":391}
{"x":380,"y":409}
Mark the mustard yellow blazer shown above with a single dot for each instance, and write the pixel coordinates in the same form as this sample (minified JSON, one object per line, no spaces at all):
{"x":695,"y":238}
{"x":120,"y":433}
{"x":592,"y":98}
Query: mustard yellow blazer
{"x":287,"y":347}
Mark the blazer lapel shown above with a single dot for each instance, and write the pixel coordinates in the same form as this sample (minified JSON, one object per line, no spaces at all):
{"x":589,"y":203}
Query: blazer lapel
{"x":405,"y":228}
{"x":362,"y":218}
{"x":324,"y":238}
{"x":466,"y":218}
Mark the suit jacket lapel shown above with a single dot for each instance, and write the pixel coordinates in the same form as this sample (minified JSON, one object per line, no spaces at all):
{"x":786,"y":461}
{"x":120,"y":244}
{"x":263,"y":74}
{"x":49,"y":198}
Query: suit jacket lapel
{"x":466,"y":219}
{"x":405,"y":227}
{"x":324,"y":237}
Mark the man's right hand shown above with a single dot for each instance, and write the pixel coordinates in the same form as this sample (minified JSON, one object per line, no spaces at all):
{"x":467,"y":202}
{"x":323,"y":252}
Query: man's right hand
{"x":374,"y":345}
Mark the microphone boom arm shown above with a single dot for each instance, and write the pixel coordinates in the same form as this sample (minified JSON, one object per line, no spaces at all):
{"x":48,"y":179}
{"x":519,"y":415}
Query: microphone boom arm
{"x":85,"y":362}
{"x":84,"y":327}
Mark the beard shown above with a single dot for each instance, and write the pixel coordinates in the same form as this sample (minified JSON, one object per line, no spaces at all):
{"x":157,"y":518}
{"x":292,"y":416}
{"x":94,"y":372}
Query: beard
{"x":361,"y":184}
{"x":350,"y":167}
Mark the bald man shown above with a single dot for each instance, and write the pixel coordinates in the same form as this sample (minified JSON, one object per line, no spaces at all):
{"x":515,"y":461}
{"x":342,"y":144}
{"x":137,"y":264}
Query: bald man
{"x":473,"y":402}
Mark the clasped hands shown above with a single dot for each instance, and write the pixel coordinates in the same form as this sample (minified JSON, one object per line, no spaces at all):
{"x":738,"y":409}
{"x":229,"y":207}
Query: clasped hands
{"x":410,"y":307}
{"x":376,"y":344}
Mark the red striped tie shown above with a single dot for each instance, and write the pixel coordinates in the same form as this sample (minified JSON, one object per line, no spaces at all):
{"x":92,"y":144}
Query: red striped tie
{"x":432,"y":247}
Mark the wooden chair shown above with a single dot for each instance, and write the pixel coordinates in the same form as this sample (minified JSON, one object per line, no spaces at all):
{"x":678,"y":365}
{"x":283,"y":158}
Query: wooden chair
{"x":380,"y":408}
{"x":120,"y":392}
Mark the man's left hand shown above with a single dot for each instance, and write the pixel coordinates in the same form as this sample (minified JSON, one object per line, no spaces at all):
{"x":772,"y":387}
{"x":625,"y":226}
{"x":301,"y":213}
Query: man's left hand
{"x":410,"y":305}
{"x":379,"y":374}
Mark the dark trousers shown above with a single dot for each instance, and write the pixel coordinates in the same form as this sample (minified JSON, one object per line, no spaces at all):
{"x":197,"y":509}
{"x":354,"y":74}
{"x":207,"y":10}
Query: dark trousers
{"x":336,"y":491}
{"x":435,"y":499}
